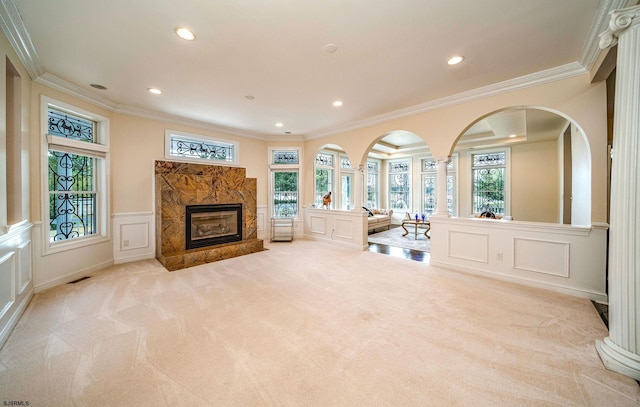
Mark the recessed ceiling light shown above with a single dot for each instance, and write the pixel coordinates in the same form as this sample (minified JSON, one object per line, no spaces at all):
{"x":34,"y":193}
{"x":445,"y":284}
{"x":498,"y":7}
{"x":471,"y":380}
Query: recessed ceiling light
{"x":287,"y":132}
{"x":97,"y":86}
{"x":513,"y":135}
{"x":455,"y":60}
{"x":249,"y":97}
{"x":279,"y":124}
{"x":337,"y":103}
{"x":155,"y":91}
{"x":185,"y":33}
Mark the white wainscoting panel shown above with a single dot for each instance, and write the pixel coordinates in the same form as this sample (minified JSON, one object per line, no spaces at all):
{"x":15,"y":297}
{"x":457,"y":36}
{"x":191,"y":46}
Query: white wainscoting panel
{"x":562,"y":258}
{"x":262,"y":219}
{"x":344,"y":228}
{"x":319,"y":225}
{"x":16,"y":276}
{"x":7,"y":285}
{"x":541,"y":256}
{"x":134,"y":237}
{"x":25,"y":268}
{"x":347,"y":228}
{"x":469,"y":246}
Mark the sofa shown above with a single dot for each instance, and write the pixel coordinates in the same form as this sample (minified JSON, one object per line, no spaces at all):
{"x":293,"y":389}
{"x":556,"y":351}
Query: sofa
{"x":378,"y":218}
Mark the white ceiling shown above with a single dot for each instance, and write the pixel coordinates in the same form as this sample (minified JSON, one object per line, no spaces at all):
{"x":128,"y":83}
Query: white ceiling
{"x":391,"y":55}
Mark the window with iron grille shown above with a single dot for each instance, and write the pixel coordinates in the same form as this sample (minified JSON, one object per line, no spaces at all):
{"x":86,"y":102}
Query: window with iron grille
{"x":285,"y":169}
{"x":324,"y":179}
{"x":430,"y":182}
{"x":400,"y":185}
{"x":76,"y":163}
{"x":373,"y":184}
{"x":489,"y":173}
{"x":200,"y":148}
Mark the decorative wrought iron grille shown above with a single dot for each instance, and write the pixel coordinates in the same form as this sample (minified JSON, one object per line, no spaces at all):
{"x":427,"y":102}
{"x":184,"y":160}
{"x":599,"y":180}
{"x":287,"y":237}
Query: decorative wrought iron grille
{"x":72,"y":196}
{"x":399,"y":166}
{"x":285,"y":194}
{"x":207,"y":150}
{"x":345,"y":164}
{"x":485,"y":160}
{"x":324,"y":159}
{"x":63,"y":125}
{"x":285,"y":157}
{"x":429,"y":165}
{"x":373,"y":184}
{"x":429,"y":194}
{"x":488,"y":190}
{"x":400,"y":185}
{"x":489,"y":182}
{"x":432,"y":165}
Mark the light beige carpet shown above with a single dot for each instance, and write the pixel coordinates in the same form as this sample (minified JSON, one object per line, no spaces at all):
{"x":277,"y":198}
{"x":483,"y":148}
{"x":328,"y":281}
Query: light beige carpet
{"x":306,"y":324}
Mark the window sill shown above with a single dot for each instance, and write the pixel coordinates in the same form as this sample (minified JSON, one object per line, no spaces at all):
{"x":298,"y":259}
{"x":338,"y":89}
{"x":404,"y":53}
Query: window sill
{"x":72,"y":244}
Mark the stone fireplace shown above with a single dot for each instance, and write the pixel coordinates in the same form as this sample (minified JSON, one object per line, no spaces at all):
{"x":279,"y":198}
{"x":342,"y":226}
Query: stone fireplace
{"x":204,"y":213}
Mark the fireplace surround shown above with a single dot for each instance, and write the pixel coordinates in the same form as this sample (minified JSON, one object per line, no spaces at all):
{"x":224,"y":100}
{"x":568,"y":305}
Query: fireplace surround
{"x":180,"y":185}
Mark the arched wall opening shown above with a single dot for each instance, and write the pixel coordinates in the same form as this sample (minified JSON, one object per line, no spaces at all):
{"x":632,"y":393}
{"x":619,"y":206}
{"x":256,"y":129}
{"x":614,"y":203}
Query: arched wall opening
{"x":547,"y":168}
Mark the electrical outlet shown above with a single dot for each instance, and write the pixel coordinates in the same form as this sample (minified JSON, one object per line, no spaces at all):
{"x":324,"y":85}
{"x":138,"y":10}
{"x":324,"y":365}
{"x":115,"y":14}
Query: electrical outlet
{"x":125,"y":243}
{"x":499,"y":256}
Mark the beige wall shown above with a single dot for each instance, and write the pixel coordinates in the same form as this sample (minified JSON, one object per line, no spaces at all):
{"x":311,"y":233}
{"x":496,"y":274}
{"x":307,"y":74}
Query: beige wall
{"x":14,"y":146}
{"x":535,"y":182}
{"x":574,"y":98}
{"x":137,"y":142}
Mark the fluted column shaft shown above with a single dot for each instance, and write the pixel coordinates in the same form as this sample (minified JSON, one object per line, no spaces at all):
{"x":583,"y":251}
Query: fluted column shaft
{"x":358,"y":188}
{"x":441,"y":188}
{"x":620,"y":351}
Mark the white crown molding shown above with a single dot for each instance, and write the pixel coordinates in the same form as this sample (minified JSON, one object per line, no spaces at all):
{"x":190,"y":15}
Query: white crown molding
{"x":14,"y":29}
{"x":69,"y":88}
{"x":153,"y":115}
{"x":591,"y":48}
{"x":534,"y":79}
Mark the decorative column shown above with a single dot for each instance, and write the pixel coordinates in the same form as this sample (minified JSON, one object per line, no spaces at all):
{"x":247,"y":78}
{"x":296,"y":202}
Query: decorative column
{"x":441,"y":188}
{"x":620,"y":351}
{"x":358,"y":185}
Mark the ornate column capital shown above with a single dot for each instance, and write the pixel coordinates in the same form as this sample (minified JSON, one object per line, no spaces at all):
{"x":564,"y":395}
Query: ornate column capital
{"x":442,"y":159}
{"x":620,"y":21}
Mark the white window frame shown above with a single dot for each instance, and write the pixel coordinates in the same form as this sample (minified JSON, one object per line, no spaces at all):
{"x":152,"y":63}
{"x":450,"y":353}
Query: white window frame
{"x":284,"y":167}
{"x":450,"y":173}
{"x":507,"y":177}
{"x":198,"y":138}
{"x":345,"y":171}
{"x":409,"y":161}
{"x":99,"y":149}
{"x":366,"y":183}
{"x":332,"y":181}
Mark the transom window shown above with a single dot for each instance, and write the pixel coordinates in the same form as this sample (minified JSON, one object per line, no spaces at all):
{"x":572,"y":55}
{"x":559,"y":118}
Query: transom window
{"x":199,"y":148}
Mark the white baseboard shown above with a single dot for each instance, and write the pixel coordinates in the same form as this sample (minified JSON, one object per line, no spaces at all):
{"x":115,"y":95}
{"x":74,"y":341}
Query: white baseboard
{"x":8,"y":328}
{"x":73,"y":276}
{"x":574,"y":291}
